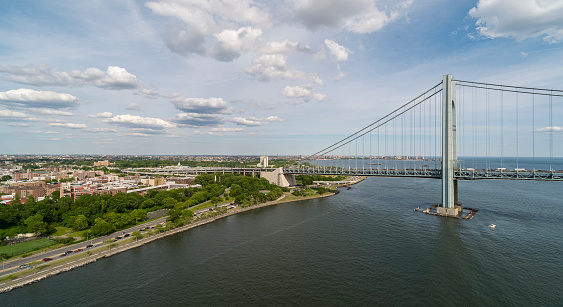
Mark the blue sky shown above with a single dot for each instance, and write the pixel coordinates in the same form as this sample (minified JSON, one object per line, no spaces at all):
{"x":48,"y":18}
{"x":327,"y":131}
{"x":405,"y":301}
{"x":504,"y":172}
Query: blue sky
{"x":248,"y":77}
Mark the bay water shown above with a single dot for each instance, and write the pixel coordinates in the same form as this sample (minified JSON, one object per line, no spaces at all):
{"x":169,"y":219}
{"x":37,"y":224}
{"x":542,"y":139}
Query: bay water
{"x":363,"y":246}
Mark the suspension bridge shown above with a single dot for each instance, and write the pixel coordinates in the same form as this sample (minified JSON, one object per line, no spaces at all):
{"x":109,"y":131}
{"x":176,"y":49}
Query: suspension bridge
{"x":475,"y":131}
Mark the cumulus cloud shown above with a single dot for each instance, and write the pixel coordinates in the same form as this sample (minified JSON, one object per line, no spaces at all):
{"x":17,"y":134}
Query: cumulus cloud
{"x":305,"y":92}
{"x":38,"y":99}
{"x":216,"y":21}
{"x":338,"y":52}
{"x":202,"y":105}
{"x":101,"y":115}
{"x":255,"y":121}
{"x":551,"y":129}
{"x":133,"y":106}
{"x":231,"y":42}
{"x":134,"y":121}
{"x":118,"y":78}
{"x":43,"y":75}
{"x":519,"y":19}
{"x":359,"y":16}
{"x":198,"y":120}
{"x":68,"y":125}
{"x":274,"y":67}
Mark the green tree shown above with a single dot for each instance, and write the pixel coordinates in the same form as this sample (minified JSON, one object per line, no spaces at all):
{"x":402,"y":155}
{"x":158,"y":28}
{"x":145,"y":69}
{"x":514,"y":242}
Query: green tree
{"x":169,"y":202}
{"x":6,"y":178}
{"x":138,"y":214}
{"x":102,"y":227}
{"x":80,"y":222}
{"x":158,"y":228}
{"x":137,"y":235}
{"x":35,"y":224}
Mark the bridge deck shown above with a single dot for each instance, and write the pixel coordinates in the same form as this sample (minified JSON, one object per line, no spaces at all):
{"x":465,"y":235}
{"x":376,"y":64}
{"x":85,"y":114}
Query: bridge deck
{"x":431,"y":173}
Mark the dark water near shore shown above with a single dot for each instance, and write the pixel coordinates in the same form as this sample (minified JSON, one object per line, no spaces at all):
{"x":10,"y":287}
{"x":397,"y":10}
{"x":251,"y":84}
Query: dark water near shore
{"x":364,"y":246}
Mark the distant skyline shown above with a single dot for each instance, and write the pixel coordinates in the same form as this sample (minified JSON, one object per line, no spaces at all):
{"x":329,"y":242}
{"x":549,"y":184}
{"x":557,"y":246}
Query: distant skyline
{"x":244,"y":77}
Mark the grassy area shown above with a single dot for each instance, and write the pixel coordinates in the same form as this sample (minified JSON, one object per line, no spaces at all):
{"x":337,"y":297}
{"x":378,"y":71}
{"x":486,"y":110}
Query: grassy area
{"x":61,"y":231}
{"x":24,"y":247}
{"x":81,"y":233}
{"x":209,"y":204}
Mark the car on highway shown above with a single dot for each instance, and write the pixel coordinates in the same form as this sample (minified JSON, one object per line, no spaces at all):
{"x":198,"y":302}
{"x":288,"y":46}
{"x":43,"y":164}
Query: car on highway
{"x":47,"y":259}
{"x":117,"y":238}
{"x":89,"y":245}
{"x":24,"y":266}
{"x":78,"y":250}
{"x":126,"y":235}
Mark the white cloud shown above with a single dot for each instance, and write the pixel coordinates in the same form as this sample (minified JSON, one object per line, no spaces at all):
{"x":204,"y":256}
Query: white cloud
{"x":68,"y":125}
{"x":18,"y":124}
{"x":101,"y":115}
{"x":42,"y":75}
{"x":96,"y":130}
{"x":255,"y":121}
{"x":340,"y":53}
{"x":551,"y":129}
{"x":138,"y":134}
{"x":198,"y":120}
{"x":133,"y":106}
{"x":359,"y":16}
{"x":284,"y":46}
{"x":202,"y":105}
{"x":305,"y":92}
{"x":38,"y":99}
{"x":221,"y":130}
{"x":134,"y":121}
{"x":231,"y":42}
{"x":341,"y":75}
{"x":50,"y":112}
{"x":217,"y":19}
{"x":519,"y":19}
{"x":118,"y":78}
{"x":274,"y":67}
{"x":12,"y":114}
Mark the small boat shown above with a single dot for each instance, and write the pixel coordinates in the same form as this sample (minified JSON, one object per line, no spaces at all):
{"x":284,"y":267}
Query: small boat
{"x":492,"y":226}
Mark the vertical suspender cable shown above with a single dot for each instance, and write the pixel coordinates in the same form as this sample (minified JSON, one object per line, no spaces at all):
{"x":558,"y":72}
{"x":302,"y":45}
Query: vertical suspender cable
{"x":363,"y":154}
{"x":517,"y":155}
{"x":473,"y":139}
{"x":488,"y":132}
{"x":435,"y":131}
{"x":533,"y":131}
{"x":551,"y":131}
{"x":501,"y":127}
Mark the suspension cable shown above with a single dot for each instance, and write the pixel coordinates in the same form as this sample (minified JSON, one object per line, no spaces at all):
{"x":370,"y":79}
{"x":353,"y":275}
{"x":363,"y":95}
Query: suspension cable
{"x":379,"y":120}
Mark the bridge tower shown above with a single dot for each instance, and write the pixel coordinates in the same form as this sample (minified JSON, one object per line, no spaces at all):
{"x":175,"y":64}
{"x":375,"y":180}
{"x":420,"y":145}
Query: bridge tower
{"x":449,"y":149}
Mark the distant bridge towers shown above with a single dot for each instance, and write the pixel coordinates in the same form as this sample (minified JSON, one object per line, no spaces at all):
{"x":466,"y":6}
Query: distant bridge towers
{"x":449,"y":149}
